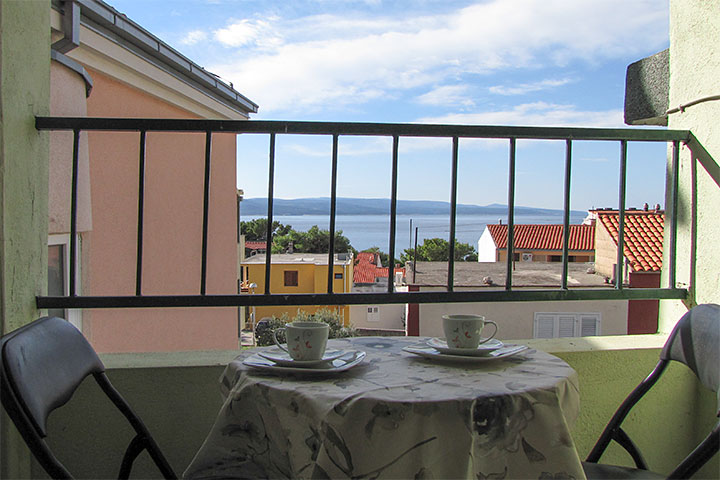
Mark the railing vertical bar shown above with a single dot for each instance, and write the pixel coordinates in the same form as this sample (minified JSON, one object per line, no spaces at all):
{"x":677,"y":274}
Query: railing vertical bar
{"x":206,"y":212}
{"x":333,"y":212}
{"x":566,"y":219}
{"x":268,"y":232}
{"x":672,"y":250}
{"x":511,"y":215}
{"x":393,"y":213}
{"x":73,"y":212}
{"x":141,"y":214}
{"x":453,"y":214}
{"x":619,"y":269}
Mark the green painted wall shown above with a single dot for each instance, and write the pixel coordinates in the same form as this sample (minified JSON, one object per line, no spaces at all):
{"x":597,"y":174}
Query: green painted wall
{"x":667,"y":424}
{"x":179,"y":405}
{"x":24,"y":93}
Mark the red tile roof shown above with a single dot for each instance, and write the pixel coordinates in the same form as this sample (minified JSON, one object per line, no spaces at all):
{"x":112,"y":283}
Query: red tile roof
{"x":367,"y":271}
{"x":256,"y":245}
{"x":643,"y":236}
{"x":544,"y":237}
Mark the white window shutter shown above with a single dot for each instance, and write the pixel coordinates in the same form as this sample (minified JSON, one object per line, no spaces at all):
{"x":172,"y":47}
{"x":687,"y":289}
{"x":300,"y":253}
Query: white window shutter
{"x":566,"y":326}
{"x":589,"y":326}
{"x":544,"y":326}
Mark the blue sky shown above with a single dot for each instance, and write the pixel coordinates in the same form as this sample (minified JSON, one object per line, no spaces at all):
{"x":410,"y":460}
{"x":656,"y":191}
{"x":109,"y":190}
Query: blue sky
{"x":501,"y":62}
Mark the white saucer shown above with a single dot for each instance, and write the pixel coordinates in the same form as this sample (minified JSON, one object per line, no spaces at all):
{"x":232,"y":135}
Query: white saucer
{"x":440,"y":344}
{"x":348,"y":360}
{"x":508,"y":350}
{"x":283,"y":358}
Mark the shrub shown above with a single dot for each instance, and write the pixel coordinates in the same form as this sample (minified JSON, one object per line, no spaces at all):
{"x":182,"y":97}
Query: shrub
{"x":264,"y":330}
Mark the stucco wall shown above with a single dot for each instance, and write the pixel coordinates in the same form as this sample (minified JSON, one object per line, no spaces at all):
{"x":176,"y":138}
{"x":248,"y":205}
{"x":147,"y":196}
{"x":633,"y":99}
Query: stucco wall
{"x":515,"y":320}
{"x":182,"y":403}
{"x":666,"y":425}
{"x":172,"y":229}
{"x":67,"y":99}
{"x":605,"y":252}
{"x":388,"y":316}
{"x":695,"y":73}
{"x":24,"y":93}
{"x":312,"y":278}
{"x":487,"y":251}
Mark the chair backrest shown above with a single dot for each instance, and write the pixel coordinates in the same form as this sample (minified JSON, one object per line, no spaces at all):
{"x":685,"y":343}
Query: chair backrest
{"x":695,"y":341}
{"x":41,"y":365}
{"x":44,"y":363}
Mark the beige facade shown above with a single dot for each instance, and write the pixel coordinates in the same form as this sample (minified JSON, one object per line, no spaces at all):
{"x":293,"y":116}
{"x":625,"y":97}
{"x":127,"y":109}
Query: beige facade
{"x":529,"y":255}
{"x":516,"y":320}
{"x":605,"y":253}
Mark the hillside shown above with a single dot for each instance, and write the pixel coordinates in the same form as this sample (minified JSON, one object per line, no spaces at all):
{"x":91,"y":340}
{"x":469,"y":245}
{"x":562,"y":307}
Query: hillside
{"x":378,"y":206}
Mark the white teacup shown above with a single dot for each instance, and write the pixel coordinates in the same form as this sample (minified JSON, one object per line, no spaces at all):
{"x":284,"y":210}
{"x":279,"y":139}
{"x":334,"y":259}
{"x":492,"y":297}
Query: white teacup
{"x":305,"y":340}
{"x":464,"y":330}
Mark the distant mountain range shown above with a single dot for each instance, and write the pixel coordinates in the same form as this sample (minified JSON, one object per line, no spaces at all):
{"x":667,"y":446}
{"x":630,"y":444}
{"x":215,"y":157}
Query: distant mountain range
{"x":379,"y":206}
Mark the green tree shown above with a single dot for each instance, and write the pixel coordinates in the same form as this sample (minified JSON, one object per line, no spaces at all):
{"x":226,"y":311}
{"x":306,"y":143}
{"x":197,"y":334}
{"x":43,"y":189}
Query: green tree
{"x":256,"y":230}
{"x":438,"y":250}
{"x":315,"y":240}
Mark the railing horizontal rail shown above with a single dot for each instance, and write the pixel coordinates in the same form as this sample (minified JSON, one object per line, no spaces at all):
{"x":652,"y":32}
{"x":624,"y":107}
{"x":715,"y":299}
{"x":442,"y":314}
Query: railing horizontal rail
{"x":358,"y":128}
{"x":509,"y":293}
{"x":517,"y":295}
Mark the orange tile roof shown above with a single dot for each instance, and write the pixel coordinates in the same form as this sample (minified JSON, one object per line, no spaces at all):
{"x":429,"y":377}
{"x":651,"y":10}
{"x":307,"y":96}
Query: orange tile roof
{"x":366,"y":257}
{"x":256,"y":245}
{"x":544,"y":237}
{"x":643,"y":236}
{"x":367,"y":271}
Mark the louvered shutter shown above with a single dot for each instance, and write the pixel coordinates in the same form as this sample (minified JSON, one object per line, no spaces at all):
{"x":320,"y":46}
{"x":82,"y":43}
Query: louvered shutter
{"x":588,"y":326}
{"x":566,"y":326}
{"x":544,"y":326}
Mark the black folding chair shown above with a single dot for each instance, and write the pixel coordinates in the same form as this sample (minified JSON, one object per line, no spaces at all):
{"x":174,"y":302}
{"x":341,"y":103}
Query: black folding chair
{"x":41,"y":366}
{"x":695,"y":341}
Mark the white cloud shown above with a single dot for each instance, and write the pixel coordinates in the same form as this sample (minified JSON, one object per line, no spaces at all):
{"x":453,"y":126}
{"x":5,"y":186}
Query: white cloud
{"x":324,"y":61}
{"x":524,"y":88}
{"x":257,"y":33}
{"x":536,"y":114}
{"x":193,"y":37}
{"x":447,"y":95}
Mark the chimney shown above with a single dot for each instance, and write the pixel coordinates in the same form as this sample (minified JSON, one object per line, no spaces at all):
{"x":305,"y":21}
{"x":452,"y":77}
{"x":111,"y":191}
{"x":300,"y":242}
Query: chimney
{"x":291,"y":247}
{"x":645,"y":207}
{"x":499,"y":221}
{"x":657,"y":208}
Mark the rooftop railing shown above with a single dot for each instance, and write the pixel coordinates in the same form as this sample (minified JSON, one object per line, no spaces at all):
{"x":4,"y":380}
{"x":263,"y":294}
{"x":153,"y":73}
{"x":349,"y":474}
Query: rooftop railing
{"x":396,"y":131}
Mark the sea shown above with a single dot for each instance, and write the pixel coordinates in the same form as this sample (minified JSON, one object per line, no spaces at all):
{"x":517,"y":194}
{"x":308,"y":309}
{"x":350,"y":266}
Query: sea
{"x":366,"y":231}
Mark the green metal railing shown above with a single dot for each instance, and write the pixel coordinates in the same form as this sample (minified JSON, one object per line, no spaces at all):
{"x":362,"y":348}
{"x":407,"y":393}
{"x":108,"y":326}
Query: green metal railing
{"x":397,"y":132}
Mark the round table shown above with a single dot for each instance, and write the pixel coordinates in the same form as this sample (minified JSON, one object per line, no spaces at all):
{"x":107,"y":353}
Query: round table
{"x":396,"y":415}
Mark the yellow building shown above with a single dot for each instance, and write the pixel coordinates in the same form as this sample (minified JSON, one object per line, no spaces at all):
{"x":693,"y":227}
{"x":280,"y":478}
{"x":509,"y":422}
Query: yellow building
{"x":298,"y":273}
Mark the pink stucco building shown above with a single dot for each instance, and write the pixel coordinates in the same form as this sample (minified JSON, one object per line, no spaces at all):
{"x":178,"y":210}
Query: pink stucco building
{"x":111,"y":67}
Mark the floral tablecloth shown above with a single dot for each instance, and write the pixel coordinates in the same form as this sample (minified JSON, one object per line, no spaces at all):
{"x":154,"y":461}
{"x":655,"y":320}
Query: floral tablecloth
{"x":397,"y":416}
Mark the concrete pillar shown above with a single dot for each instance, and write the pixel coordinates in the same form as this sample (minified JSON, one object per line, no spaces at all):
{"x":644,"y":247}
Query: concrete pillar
{"x":24,"y":93}
{"x":694,"y":74}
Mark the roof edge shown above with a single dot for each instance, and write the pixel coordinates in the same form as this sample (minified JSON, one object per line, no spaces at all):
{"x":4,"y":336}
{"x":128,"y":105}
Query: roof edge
{"x":120,"y":29}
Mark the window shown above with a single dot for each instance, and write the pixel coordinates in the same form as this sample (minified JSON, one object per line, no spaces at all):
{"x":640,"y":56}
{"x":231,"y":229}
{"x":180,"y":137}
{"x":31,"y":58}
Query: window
{"x":291,"y":278}
{"x":59,"y":276}
{"x":559,"y":325}
{"x":373,"y":314}
{"x":338,"y":276}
